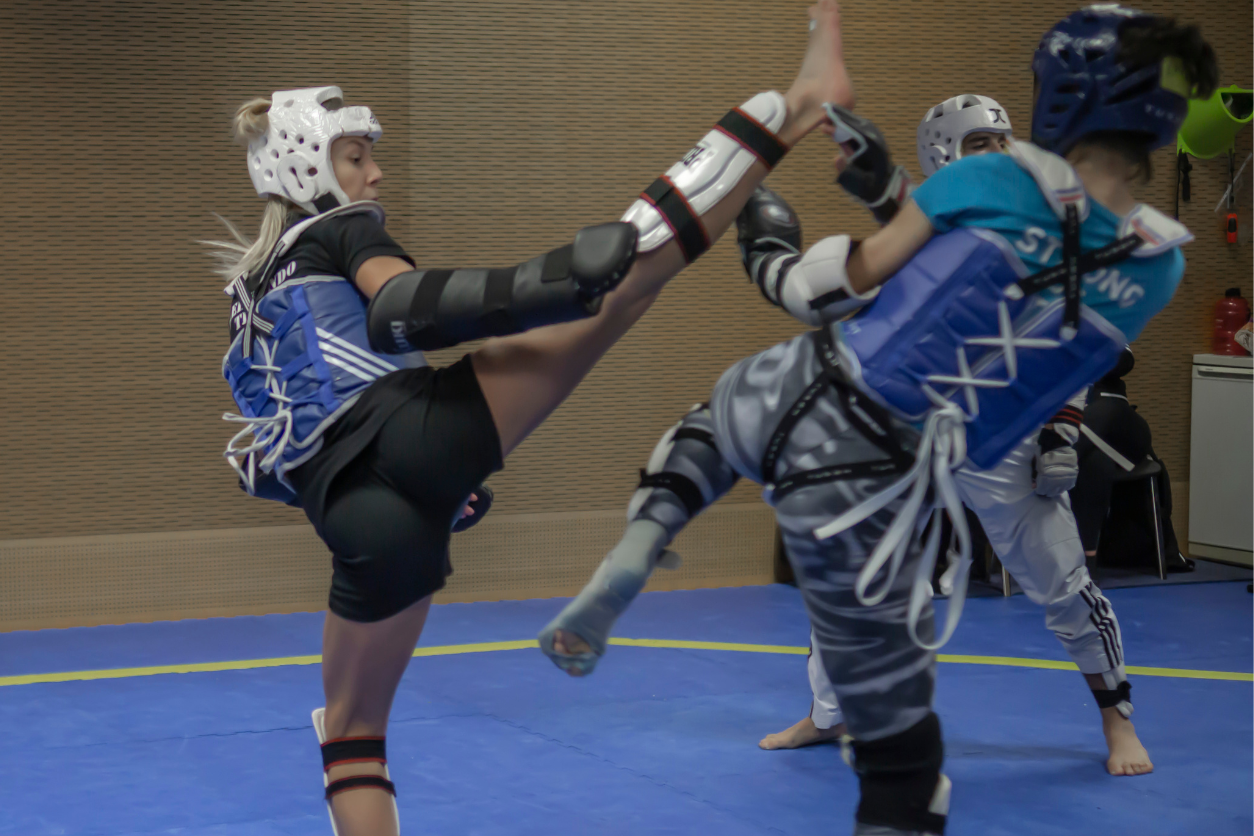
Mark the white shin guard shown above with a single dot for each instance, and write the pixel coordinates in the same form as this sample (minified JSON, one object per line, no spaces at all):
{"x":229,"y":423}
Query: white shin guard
{"x":671,"y":207}
{"x":319,"y":724}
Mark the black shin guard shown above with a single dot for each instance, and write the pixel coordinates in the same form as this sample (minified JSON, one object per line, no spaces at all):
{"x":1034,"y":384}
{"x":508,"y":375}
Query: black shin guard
{"x":430,"y":309}
{"x":898,"y":776}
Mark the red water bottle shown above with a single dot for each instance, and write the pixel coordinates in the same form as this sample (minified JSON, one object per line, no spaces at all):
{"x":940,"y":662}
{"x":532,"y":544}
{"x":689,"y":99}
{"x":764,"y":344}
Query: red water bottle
{"x":1231,"y":312}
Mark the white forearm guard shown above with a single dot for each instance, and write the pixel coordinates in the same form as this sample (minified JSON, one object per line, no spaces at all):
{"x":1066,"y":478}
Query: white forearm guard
{"x":672,"y":206}
{"x":816,"y":288}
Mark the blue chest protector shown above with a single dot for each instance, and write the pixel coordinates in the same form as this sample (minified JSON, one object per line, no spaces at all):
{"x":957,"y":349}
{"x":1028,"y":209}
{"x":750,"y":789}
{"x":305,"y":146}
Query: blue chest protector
{"x":299,"y":359}
{"x":945,"y":330}
{"x":963,"y":324}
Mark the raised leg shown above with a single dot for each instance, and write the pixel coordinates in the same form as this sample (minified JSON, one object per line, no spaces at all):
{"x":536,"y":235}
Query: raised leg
{"x":524,"y":377}
{"x":685,"y":474}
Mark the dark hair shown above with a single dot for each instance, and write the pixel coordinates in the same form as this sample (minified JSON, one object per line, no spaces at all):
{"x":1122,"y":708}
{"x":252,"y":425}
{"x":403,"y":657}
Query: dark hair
{"x":1147,"y":41}
{"x":1144,"y":42}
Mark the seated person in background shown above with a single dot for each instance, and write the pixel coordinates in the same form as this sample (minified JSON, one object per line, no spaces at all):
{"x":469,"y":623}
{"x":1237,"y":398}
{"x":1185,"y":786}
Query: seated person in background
{"x":1114,"y":439}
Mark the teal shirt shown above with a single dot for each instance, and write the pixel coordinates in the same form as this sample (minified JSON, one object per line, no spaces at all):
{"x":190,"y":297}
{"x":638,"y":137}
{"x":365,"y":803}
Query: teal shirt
{"x":993,"y":192}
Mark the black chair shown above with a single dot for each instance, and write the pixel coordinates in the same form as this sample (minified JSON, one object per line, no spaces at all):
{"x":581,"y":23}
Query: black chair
{"x":1145,"y":473}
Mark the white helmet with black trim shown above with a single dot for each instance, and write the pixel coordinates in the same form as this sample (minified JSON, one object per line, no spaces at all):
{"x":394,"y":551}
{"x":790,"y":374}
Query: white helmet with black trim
{"x":293,"y":158}
{"x":945,"y":126}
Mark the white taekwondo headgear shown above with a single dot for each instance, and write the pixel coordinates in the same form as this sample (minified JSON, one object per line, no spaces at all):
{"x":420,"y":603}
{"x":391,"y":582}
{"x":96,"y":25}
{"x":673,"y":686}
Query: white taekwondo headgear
{"x":293,"y":158}
{"x":943,"y":128}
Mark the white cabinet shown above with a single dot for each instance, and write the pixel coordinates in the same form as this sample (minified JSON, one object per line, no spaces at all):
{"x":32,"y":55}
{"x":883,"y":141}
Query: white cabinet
{"x":1221,"y":459}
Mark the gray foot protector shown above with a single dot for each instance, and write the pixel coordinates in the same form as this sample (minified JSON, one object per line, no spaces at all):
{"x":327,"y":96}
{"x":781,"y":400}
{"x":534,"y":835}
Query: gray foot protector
{"x":617,"y":581}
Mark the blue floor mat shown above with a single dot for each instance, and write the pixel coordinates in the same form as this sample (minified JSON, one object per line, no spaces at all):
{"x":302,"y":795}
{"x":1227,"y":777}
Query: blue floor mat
{"x":658,"y":741}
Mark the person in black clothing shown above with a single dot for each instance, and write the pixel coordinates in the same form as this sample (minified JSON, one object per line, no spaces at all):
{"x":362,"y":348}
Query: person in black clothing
{"x":341,"y":415}
{"x":1114,"y":439}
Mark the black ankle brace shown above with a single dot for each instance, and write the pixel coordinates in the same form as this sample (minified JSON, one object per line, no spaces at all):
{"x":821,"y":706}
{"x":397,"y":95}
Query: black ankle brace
{"x":1119,"y":698}
{"x":898,"y":777}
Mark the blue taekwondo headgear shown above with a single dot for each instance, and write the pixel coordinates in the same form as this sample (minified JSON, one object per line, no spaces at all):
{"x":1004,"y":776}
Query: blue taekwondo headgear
{"x":1083,"y":87}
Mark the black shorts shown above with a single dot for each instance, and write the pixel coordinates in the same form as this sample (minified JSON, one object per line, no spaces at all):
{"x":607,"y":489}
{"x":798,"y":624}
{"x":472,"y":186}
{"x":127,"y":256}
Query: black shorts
{"x":384,"y":491}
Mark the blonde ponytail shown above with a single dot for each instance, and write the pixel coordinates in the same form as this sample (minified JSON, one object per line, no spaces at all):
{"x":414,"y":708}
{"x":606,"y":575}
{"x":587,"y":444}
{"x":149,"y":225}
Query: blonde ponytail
{"x":242,"y":255}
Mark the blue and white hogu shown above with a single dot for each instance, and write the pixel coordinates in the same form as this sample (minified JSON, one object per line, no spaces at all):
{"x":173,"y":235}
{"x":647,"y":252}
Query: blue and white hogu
{"x":300,"y":360}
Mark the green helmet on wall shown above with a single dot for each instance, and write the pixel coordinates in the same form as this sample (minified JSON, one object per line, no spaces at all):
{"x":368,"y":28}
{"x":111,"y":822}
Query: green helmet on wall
{"x":1213,"y":123}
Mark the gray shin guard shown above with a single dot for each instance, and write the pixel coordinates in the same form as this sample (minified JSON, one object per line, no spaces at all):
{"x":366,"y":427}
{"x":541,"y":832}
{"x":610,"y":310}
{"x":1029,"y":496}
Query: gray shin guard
{"x":430,"y":309}
{"x":685,"y":474}
{"x":618,"y":580}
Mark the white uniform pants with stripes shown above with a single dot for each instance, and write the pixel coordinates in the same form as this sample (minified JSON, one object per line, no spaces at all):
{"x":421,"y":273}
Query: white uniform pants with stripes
{"x":1037,"y":541}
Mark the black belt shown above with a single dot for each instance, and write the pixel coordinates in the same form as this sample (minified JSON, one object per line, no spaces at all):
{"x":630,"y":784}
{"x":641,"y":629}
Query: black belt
{"x":870,"y":419}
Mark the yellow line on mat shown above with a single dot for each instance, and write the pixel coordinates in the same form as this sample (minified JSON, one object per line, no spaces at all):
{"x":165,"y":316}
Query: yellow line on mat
{"x":685,"y":645}
{"x":486,"y":647}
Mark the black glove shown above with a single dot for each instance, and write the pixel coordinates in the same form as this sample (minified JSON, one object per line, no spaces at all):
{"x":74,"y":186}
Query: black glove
{"x":870,"y":178}
{"x":480,"y":506}
{"x":766,"y":224}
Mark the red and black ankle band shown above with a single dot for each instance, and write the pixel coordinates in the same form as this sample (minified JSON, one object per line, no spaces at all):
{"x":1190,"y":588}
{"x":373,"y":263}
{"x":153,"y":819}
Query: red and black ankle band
{"x":349,"y":750}
{"x":357,"y":782}
{"x":1113,"y":697}
{"x":1068,"y":415}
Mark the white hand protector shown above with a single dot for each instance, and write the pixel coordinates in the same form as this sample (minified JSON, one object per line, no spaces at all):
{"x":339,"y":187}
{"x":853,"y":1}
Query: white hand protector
{"x":945,"y":126}
{"x":1056,"y":471}
{"x":671,"y":207}
{"x":293,"y":158}
{"x":816,"y":288}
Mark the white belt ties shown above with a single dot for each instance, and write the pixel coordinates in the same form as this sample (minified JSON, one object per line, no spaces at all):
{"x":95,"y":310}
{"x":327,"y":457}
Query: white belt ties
{"x":942,"y":449}
{"x":272,"y":431}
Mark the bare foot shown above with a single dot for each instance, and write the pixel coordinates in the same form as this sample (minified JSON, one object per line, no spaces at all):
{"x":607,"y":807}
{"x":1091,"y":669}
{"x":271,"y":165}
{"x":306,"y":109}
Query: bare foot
{"x":569,"y":644}
{"x":822,"y":77}
{"x":804,"y":733}
{"x":1127,"y":755}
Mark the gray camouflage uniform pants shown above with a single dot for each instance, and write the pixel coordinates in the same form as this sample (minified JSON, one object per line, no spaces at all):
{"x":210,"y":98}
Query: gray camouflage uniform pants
{"x":883,"y":680}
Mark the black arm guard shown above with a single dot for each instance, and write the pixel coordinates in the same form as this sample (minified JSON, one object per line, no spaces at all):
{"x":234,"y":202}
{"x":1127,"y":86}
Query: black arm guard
{"x":871,"y":178}
{"x":430,"y":309}
{"x":767,"y":231}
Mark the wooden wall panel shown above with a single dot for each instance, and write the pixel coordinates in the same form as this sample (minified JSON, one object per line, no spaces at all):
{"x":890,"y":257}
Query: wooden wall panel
{"x":505,"y":129}
{"x":121,"y":578}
